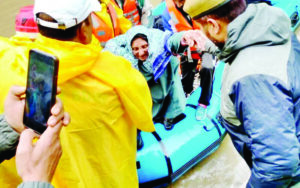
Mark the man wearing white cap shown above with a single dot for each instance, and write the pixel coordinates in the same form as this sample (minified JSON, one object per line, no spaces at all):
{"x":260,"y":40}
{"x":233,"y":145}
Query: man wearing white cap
{"x":260,"y":103}
{"x":107,"y":98}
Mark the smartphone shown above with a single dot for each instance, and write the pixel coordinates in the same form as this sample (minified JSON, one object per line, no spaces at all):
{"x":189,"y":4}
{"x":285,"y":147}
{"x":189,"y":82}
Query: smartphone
{"x":40,"y":89}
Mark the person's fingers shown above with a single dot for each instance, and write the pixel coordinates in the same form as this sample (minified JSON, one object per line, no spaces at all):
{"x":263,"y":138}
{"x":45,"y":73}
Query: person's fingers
{"x":194,"y":38}
{"x":17,"y":90}
{"x":64,"y":117}
{"x":183,"y":41}
{"x":57,"y":113}
{"x":23,"y":102}
{"x":25,"y":142}
{"x":187,"y":40}
{"x":57,"y":108}
{"x":53,"y":120}
{"x":54,"y":132}
{"x":200,"y":45}
{"x":191,"y":42}
{"x":51,"y":133}
{"x":58,"y":91}
{"x":24,"y":150}
{"x":199,"y":39}
{"x":67,"y":119}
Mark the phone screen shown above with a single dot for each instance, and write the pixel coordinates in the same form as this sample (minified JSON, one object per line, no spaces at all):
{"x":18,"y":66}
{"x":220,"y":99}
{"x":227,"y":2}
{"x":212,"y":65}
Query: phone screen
{"x":40,"y":90}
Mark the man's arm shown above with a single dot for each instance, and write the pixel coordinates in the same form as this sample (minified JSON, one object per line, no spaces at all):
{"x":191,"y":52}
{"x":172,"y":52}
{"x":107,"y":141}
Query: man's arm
{"x":11,"y":122}
{"x":193,"y":38}
{"x":8,"y":140}
{"x":179,"y":42}
{"x":36,"y":163}
{"x":265,"y":108}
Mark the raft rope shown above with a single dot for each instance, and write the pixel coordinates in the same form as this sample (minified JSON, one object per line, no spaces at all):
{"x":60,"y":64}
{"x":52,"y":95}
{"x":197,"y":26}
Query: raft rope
{"x":167,"y":158}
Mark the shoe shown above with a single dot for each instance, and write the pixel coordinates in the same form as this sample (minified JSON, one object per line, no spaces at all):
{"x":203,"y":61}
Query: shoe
{"x":168,"y":123}
{"x":201,"y":112}
{"x":140,"y":142}
{"x":159,"y":120}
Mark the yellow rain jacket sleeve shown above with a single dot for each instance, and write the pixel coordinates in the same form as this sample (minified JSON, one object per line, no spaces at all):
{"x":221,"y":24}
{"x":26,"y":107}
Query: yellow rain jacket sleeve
{"x":107,"y":100}
{"x":125,"y":24}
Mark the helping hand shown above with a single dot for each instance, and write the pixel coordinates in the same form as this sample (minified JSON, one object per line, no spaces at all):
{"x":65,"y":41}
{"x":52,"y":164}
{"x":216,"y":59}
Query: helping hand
{"x":14,"y":107}
{"x":194,"y":38}
{"x":38,"y":161}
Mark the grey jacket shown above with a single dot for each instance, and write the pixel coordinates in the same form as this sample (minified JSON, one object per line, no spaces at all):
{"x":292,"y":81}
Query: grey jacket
{"x":8,"y":140}
{"x":260,"y":105}
{"x":35,"y":184}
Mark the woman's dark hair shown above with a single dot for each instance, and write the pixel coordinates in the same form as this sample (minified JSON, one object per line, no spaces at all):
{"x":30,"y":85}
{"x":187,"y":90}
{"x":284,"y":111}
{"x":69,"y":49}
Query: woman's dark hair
{"x":59,"y":34}
{"x":139,"y":35}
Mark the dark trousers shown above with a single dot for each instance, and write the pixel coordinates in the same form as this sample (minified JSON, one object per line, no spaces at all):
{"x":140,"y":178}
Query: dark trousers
{"x":188,"y":71}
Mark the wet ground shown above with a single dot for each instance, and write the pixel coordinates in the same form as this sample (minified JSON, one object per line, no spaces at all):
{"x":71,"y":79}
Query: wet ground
{"x":224,"y":168}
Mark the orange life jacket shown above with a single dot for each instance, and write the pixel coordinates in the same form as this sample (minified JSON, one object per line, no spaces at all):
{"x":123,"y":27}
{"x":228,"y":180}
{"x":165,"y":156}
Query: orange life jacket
{"x":101,"y":30}
{"x":131,"y":12}
{"x":181,"y":24}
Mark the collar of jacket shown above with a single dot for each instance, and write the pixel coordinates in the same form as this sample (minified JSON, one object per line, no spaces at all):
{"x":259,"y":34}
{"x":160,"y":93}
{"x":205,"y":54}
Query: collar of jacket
{"x":260,"y":24}
{"x":74,"y":58}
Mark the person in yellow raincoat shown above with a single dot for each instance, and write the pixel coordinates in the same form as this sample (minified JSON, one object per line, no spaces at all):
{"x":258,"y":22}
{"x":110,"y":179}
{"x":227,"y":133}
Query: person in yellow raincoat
{"x":109,"y":22}
{"x":106,"y":98}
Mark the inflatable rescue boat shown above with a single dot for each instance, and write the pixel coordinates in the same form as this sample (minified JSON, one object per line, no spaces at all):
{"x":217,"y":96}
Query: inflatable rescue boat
{"x":168,"y":154}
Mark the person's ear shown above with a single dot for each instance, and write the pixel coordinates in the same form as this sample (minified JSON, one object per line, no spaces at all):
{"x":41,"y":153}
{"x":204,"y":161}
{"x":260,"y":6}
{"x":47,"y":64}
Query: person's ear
{"x":217,"y":29}
{"x":84,"y":33}
{"x":213,"y":26}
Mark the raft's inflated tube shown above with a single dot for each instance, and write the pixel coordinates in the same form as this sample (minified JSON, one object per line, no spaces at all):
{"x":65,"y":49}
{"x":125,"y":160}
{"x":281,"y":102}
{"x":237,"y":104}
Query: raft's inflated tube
{"x":167,"y":155}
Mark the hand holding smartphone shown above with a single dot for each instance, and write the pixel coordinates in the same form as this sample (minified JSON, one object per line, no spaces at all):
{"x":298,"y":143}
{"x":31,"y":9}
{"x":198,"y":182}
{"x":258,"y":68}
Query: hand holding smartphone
{"x":40,"y":89}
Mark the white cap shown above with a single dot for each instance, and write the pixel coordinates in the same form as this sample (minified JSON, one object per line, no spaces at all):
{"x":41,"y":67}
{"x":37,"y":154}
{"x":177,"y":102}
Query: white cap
{"x":67,"y":13}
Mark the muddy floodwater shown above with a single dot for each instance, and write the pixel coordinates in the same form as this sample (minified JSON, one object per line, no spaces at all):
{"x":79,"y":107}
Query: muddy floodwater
{"x":224,"y":168}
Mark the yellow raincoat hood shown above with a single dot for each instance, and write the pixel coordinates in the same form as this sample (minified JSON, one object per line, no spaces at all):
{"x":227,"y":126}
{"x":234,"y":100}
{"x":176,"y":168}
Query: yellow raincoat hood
{"x":67,"y":52}
{"x":107,"y":100}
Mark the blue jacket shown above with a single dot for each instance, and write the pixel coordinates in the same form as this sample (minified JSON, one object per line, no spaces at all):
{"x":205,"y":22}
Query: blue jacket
{"x":261,"y":94}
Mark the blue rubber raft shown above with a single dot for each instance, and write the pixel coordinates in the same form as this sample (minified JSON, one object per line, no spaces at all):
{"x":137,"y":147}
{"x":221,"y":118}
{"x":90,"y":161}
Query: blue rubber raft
{"x":167,"y":155}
